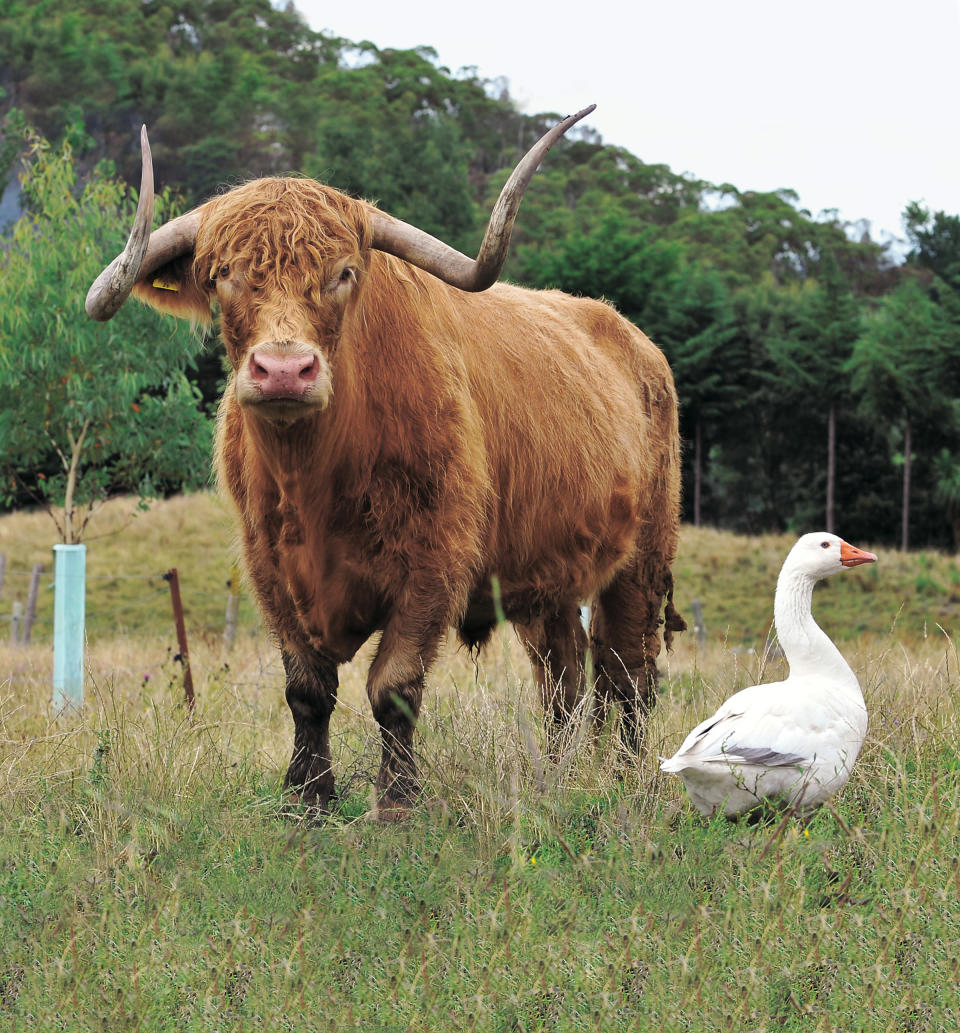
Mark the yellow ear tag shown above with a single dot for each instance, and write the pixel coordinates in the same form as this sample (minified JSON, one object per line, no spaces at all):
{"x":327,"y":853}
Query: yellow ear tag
{"x":166,"y":285}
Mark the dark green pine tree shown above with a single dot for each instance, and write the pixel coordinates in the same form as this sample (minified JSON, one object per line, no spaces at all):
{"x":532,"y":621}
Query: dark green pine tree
{"x":812,"y":360}
{"x":898,"y":373}
{"x":697,"y":331}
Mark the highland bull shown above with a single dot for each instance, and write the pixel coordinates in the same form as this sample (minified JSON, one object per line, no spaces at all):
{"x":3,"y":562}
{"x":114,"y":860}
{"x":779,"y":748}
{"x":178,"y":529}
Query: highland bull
{"x":411,"y":447}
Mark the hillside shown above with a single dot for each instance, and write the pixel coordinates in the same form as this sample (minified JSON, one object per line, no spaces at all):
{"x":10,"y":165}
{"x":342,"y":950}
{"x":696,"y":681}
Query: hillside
{"x":732,"y":575}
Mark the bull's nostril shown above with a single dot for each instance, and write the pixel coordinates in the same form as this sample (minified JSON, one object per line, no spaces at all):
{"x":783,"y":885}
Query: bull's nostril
{"x":258,"y":371}
{"x":310,"y":369}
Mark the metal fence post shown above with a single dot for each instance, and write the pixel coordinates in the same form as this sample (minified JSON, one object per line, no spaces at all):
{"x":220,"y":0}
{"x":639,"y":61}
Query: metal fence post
{"x":699,"y":629}
{"x":233,"y":607}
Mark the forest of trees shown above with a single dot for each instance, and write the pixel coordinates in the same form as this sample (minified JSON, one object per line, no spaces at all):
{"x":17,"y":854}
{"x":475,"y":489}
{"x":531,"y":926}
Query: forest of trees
{"x":818,"y":375}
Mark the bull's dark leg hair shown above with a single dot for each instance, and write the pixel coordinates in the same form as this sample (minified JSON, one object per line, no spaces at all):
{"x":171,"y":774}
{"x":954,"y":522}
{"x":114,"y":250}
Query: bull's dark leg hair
{"x":556,"y":645}
{"x":626,"y":639}
{"x":311,"y":695}
{"x":407,"y":648}
{"x":398,"y":785}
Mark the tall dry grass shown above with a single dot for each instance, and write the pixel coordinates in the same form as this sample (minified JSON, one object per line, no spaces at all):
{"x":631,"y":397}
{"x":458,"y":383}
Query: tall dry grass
{"x":152,"y":876}
{"x":481,"y":734}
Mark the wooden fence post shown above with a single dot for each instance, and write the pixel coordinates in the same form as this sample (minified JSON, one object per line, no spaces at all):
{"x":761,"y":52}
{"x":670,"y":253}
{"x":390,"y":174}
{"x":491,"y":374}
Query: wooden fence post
{"x":31,"y":613}
{"x":184,"y":655}
{"x":16,"y":623}
{"x":699,"y":629}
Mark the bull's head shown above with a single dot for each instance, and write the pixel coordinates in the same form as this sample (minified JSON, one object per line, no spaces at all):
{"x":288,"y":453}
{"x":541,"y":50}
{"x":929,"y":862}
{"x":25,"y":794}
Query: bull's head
{"x":284,"y":258}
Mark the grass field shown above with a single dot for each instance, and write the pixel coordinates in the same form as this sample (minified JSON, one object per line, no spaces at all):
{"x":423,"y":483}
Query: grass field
{"x":152,"y":878}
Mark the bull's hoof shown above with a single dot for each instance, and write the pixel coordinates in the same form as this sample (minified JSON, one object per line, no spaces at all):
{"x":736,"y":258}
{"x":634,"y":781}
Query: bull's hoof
{"x":300,"y":804}
{"x":390,"y":811}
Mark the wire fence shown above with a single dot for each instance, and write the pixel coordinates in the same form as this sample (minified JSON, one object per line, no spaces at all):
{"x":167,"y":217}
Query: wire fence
{"x":141,"y":606}
{"x":117,"y":603}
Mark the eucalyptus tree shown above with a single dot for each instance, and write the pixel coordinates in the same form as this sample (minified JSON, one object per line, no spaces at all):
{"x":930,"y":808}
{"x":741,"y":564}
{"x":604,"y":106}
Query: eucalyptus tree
{"x":946,"y":471}
{"x":935,"y":242}
{"x":87,"y":409}
{"x":696,"y":328}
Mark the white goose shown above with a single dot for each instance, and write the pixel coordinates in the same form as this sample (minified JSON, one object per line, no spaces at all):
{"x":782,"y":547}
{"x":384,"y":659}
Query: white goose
{"x":792,"y":742}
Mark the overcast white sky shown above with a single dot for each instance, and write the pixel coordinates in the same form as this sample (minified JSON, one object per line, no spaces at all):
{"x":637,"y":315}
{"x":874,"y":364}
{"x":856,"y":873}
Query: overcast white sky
{"x":852,"y":103}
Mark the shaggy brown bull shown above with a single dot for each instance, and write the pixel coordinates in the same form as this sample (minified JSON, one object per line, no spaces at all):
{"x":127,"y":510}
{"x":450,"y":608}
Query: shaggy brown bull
{"x":397,"y":444}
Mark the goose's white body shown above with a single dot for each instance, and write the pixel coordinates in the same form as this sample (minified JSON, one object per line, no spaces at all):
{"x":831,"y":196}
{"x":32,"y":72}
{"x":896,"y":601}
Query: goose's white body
{"x":792,"y":742}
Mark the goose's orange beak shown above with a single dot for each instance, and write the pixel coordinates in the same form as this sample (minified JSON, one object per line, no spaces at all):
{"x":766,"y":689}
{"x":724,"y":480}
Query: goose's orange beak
{"x":851,"y":556}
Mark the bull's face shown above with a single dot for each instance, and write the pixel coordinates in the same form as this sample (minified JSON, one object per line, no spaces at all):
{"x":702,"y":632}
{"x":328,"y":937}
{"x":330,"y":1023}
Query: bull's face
{"x":281,"y":337}
{"x":283,"y":261}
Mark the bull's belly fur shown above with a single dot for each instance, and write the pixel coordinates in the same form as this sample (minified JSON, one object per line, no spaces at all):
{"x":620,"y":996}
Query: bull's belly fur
{"x":332,"y":590}
{"x":333,"y":598}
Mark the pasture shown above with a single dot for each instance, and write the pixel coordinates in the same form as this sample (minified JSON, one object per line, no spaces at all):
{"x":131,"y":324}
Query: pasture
{"x":153,"y":878}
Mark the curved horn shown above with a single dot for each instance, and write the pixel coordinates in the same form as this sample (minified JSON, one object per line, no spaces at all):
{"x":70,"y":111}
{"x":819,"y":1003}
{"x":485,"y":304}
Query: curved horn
{"x":420,"y":249}
{"x":145,"y":251}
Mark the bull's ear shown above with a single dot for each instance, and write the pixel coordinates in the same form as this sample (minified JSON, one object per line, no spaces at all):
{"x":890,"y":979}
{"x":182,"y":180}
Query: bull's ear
{"x":173,"y":288}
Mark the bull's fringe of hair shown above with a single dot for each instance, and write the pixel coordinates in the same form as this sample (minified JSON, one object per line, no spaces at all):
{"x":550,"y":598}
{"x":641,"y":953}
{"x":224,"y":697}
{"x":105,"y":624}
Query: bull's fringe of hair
{"x":273,"y":222}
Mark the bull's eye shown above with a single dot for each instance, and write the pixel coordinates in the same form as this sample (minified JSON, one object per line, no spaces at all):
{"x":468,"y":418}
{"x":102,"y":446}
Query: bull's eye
{"x":344,"y":278}
{"x":223,"y":272}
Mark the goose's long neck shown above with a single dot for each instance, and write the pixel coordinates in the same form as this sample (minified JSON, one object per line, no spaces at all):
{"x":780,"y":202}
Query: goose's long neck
{"x":807,"y":648}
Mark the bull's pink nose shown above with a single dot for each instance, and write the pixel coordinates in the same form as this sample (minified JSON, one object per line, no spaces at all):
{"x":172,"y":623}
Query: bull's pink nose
{"x":283,"y":376}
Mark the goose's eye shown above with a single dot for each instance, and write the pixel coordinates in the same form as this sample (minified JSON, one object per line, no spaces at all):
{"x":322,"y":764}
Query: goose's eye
{"x":824,"y":545}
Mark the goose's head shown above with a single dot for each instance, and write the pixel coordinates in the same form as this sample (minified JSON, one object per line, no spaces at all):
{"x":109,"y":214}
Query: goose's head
{"x":820,"y":554}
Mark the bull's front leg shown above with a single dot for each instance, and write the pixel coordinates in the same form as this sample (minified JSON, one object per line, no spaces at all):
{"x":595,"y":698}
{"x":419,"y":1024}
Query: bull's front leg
{"x":311,"y":695}
{"x":395,"y":688}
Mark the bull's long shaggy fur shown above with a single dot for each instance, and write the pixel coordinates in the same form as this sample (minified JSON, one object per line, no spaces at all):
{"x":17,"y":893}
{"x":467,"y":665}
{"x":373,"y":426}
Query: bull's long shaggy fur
{"x":460,"y":442}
